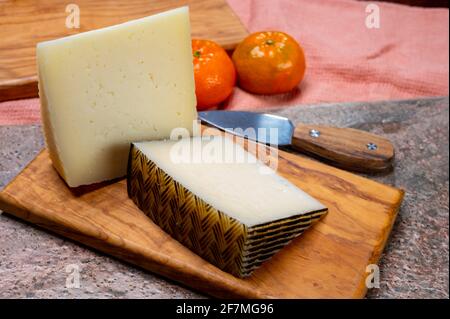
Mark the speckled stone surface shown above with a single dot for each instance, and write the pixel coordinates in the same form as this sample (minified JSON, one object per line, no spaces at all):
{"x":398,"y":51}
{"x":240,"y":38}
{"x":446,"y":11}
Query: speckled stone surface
{"x":36,"y":264}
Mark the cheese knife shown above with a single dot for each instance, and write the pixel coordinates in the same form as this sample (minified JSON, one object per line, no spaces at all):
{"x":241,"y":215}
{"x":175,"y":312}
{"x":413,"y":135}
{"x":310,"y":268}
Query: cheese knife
{"x":347,"y":148}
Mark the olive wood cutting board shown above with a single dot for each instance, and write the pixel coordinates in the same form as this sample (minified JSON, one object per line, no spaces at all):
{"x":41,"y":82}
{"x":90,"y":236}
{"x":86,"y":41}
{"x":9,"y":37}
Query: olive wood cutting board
{"x":328,"y":261}
{"x":27,"y":22}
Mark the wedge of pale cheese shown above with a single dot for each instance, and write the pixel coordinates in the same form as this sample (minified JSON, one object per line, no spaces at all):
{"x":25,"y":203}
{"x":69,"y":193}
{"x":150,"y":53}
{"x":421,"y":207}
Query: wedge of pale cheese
{"x":102,"y":89}
{"x":234,"y":213}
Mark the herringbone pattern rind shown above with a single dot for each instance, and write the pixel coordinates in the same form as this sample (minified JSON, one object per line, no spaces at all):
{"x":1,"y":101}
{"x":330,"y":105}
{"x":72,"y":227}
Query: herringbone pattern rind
{"x":212,"y":234}
{"x":186,"y":217}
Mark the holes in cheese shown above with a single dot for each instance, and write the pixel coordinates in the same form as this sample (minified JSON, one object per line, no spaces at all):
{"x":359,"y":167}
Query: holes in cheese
{"x":102,"y":89}
{"x":232,"y":213}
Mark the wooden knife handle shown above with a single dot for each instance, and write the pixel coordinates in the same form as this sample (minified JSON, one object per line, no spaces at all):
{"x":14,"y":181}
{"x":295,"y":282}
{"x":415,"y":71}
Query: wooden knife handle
{"x":347,"y":148}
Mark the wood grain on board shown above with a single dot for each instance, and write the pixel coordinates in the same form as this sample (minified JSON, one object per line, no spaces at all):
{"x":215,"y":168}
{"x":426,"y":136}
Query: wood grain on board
{"x":328,"y":261}
{"x":27,"y":22}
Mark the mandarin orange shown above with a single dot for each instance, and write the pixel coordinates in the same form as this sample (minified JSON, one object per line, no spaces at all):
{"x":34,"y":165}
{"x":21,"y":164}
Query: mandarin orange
{"x":214,"y":73}
{"x":269,"y":62}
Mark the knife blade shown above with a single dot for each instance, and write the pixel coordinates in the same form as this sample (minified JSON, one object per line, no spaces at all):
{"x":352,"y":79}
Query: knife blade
{"x":347,"y":148}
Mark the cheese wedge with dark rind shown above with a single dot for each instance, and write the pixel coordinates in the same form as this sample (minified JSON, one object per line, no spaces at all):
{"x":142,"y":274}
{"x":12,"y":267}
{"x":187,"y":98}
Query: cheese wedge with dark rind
{"x":207,"y":219}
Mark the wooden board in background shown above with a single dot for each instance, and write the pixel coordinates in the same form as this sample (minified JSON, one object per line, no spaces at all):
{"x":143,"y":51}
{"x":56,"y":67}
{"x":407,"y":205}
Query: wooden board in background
{"x":328,"y":261}
{"x":27,"y":22}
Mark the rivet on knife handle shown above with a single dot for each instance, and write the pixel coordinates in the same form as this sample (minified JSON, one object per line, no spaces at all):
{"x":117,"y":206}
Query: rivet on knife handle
{"x":347,"y":148}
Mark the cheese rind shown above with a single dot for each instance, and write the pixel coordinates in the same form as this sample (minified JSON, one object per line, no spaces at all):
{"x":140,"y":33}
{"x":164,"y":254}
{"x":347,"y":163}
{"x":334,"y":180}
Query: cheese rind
{"x":102,"y":89}
{"x":228,"y":213}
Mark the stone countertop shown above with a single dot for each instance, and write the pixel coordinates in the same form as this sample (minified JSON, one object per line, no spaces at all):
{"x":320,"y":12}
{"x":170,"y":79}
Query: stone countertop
{"x":36,"y":264}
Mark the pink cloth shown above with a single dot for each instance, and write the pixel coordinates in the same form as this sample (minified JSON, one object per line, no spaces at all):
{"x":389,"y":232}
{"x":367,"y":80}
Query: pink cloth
{"x":407,"y":57}
{"x":20,"y":112}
